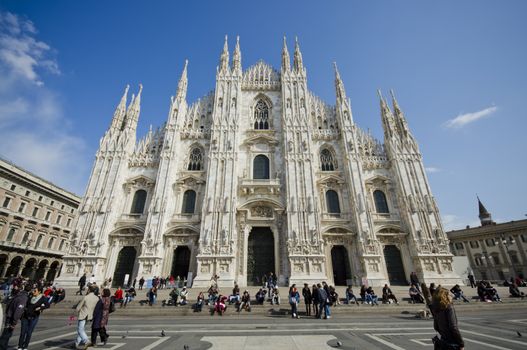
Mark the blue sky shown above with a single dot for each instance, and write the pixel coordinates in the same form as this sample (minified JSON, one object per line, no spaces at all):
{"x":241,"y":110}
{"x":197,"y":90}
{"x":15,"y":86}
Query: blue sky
{"x":458,"y":69}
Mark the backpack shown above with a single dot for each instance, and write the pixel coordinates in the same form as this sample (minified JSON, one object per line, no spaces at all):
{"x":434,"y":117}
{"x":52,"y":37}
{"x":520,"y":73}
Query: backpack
{"x":112,"y":306}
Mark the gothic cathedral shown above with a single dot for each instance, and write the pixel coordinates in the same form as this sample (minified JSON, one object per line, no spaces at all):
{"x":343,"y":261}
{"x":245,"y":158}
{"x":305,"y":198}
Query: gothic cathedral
{"x":259,"y":176}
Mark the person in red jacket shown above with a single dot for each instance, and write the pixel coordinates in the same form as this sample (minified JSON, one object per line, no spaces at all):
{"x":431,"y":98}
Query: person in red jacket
{"x":118,"y":296}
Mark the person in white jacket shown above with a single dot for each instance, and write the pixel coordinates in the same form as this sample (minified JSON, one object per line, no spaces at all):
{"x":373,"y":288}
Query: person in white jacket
{"x":85,"y":313}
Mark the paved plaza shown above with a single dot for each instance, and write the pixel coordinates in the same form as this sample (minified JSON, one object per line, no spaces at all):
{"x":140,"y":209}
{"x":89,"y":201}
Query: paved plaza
{"x":488,"y":329}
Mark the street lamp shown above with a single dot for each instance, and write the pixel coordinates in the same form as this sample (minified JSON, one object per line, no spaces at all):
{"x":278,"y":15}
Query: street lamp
{"x":506,"y":243}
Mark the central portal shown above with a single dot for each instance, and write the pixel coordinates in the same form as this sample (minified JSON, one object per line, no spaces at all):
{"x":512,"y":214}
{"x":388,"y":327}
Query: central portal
{"x":260,"y":255}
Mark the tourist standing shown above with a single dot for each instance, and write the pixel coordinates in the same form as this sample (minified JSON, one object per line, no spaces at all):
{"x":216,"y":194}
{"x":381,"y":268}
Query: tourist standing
{"x":36,"y":303}
{"x":294,"y":299}
{"x":471,"y":280}
{"x":308,"y":298}
{"x":323,"y":302}
{"x":141,"y":283}
{"x":13,"y":313}
{"x":316,"y":300}
{"x":85,"y":313}
{"x":445,"y":322}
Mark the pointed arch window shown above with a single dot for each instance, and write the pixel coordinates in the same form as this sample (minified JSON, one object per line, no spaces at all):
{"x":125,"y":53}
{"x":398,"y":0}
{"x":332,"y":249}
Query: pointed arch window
{"x":25,"y":239}
{"x":50,"y":243}
{"x":381,"y":205}
{"x":332,"y":202}
{"x":195,"y":160}
{"x":138,"y":203}
{"x":261,"y":115}
{"x":327,"y":162}
{"x":189,"y":202}
{"x":261,"y":167}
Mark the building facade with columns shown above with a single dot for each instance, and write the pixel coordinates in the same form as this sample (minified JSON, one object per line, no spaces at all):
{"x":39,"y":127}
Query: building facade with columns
{"x":259,"y":176}
{"x":36,"y":221}
{"x":494,"y":251}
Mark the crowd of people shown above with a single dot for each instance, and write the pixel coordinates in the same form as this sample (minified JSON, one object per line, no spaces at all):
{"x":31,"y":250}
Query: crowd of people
{"x":24,"y":301}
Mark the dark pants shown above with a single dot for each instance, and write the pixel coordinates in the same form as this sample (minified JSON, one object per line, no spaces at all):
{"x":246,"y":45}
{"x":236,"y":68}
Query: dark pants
{"x":315,"y":309}
{"x":4,"y":338}
{"x":28,"y":325}
{"x":81,"y":288}
{"x":101,"y":332}
{"x":294,"y":311}
{"x":308,"y":308}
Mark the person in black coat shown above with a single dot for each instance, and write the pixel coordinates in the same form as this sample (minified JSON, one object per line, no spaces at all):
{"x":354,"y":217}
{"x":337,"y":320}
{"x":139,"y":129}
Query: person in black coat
{"x":82,"y":284}
{"x":308,"y":298}
{"x":13,"y":313}
{"x":316,"y":300}
{"x":445,"y":321}
{"x":36,"y":303}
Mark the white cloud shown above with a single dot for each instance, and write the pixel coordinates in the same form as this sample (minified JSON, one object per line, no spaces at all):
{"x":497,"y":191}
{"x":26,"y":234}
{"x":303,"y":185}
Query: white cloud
{"x":20,"y":52}
{"x":432,"y":169}
{"x":34,"y":131}
{"x":464,"y":119}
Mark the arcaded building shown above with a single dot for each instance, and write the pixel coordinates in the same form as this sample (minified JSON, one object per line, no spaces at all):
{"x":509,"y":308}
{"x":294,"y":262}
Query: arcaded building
{"x":36,"y":222}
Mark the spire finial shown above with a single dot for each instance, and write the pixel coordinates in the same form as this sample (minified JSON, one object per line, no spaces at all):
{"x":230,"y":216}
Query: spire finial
{"x":339,"y":85}
{"x":224,"y":59}
{"x":297,"y":60}
{"x":181,"y":92}
{"x":237,"y":56}
{"x":286,"y":61}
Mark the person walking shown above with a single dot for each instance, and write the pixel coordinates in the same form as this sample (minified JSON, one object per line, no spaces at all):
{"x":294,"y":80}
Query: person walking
{"x":36,"y":303}
{"x":100,"y":317}
{"x":13,"y":313}
{"x":445,"y":322}
{"x":294,"y":299}
{"x":308,"y":298}
{"x":85,"y":313}
{"x":471,"y":280}
{"x":82,"y":284}
{"x":141,"y":283}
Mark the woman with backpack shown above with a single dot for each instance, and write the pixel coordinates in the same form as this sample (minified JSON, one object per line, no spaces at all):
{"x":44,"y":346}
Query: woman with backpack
{"x":102,"y":311}
{"x":36,"y":303}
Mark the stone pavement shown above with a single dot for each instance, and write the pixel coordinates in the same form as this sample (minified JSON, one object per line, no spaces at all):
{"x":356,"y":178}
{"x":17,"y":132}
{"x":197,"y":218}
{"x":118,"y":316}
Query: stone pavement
{"x":487,"y":329}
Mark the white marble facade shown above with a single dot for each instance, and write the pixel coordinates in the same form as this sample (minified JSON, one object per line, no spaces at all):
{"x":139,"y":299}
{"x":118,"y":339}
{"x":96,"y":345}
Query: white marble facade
{"x":259,"y":175}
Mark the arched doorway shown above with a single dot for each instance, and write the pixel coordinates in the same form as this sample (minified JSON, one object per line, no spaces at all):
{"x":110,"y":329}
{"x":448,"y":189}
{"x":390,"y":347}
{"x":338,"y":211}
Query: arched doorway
{"x":52,"y":271}
{"x":181,"y":262}
{"x":41,"y":271}
{"x":341,"y":265}
{"x":260,"y":255}
{"x":29,"y":269}
{"x":124,"y":266}
{"x":14,"y":267}
{"x":394,"y":265}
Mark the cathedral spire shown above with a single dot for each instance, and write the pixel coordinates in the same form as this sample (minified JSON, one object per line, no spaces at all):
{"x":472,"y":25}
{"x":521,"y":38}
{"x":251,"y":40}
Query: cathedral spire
{"x":237,"y":57}
{"x":181,"y":92}
{"x":401,"y":120}
{"x":387,"y":117}
{"x":120,"y":110}
{"x":286,"y":61}
{"x":132,"y":114}
{"x":484,"y":215}
{"x":224,"y":59}
{"x":339,"y":85}
{"x":297,"y":60}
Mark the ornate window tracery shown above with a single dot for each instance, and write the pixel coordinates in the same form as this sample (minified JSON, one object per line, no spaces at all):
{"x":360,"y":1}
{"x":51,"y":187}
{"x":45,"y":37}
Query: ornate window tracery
{"x":381,"y":205}
{"x":189,"y":202}
{"x":261,"y":115}
{"x":195,"y":159}
{"x":327,"y":162}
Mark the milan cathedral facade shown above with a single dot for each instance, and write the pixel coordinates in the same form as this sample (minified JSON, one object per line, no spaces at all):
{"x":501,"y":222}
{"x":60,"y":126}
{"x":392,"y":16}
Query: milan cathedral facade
{"x":259,"y":176}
